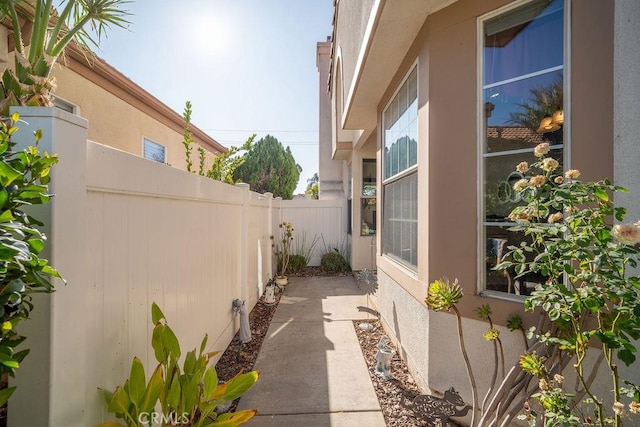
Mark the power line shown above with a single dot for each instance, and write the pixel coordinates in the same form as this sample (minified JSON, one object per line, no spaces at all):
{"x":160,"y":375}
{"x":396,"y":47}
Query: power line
{"x":282,"y":142}
{"x":258,"y":130}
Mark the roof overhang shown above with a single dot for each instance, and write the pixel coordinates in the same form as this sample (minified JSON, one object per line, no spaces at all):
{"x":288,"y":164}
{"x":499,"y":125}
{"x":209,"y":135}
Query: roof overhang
{"x":392,"y":28}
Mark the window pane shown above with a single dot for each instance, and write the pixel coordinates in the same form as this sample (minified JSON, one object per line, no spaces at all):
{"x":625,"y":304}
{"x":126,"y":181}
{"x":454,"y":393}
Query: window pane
{"x":498,"y":239}
{"x":401,"y":129}
{"x":514,"y":113}
{"x":500,"y":175}
{"x":400,"y":219}
{"x":153,"y":151}
{"x":369,"y":177}
{"x":523,"y":81}
{"x":523,"y":41}
{"x":368,"y":217}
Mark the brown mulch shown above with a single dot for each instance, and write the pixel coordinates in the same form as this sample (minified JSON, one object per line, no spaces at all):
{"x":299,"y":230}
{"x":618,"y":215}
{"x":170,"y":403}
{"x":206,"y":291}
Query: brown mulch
{"x":392,"y":394}
{"x":240,"y":358}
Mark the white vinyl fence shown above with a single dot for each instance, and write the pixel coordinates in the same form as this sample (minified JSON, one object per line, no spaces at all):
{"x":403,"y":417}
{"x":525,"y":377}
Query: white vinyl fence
{"x":125,"y":232}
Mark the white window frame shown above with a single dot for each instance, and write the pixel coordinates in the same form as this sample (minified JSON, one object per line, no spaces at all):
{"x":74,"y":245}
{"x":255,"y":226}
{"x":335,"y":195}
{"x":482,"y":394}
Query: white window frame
{"x":413,"y":169}
{"x":66,"y":105}
{"x":566,"y":146}
{"x":164,"y":148}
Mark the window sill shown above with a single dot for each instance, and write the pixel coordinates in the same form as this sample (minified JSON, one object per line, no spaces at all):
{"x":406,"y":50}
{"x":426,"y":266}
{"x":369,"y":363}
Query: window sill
{"x":502,"y":296}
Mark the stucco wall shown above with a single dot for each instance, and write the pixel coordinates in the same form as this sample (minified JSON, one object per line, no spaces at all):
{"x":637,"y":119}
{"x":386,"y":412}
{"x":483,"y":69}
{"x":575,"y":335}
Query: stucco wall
{"x":446,"y":54}
{"x":353,"y":17}
{"x":627,"y":104}
{"x":115,"y":122}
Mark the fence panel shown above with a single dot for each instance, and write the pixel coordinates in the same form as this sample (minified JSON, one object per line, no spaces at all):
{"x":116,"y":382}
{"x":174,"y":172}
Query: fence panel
{"x":324,"y":219}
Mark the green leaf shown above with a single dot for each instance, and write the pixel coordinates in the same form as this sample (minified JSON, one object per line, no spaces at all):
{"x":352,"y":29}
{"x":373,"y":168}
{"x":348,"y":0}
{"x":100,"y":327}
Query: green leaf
{"x":36,"y":245}
{"x":137,"y":382}
{"x":120,"y":402}
{"x":234,"y":419}
{"x":173,"y":397}
{"x":170,"y":341}
{"x":153,"y":390}
{"x":210,"y":382}
{"x":158,"y":344}
{"x":204,"y":344}
{"x":108,"y":395}
{"x":7,"y":174}
{"x":627,"y":356}
{"x":601,"y":194}
{"x":237,"y":386}
{"x":5,"y":394}
{"x":156,"y":314}
{"x":6,"y":216}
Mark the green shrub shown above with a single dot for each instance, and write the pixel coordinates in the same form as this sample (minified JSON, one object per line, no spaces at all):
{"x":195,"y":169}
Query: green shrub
{"x":24,"y":176}
{"x":187,"y":395}
{"x":297,"y":263}
{"x":333,"y":262}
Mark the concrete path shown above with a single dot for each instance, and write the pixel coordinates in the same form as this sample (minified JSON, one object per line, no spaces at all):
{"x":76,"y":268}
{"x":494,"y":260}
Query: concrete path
{"x":312,"y":372}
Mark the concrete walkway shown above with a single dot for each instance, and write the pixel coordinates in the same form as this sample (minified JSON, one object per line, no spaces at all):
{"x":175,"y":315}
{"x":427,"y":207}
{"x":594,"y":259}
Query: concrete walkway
{"x":312,"y":372}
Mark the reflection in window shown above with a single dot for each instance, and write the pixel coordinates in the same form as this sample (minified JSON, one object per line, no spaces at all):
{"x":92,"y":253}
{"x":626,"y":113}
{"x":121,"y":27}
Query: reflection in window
{"x":368,"y":214}
{"x":368,"y":197}
{"x":153,"y":151}
{"x":401,"y":129}
{"x":369,"y":177}
{"x":523,"y":78}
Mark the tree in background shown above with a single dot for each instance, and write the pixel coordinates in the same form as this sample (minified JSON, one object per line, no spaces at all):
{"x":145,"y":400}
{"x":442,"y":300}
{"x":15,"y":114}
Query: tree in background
{"x":223,"y":165}
{"x":312,"y":186}
{"x":269,"y":167}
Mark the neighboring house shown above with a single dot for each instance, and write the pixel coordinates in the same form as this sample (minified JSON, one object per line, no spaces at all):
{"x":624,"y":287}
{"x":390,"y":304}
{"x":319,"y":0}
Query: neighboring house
{"x":122,"y":114}
{"x":430,"y":90}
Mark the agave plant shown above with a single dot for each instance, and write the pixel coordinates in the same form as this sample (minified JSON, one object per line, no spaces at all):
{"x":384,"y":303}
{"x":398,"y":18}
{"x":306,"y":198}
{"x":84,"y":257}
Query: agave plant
{"x":48,"y":34}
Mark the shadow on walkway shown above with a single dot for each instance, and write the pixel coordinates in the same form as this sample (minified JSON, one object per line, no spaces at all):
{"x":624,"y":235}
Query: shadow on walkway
{"x":312,"y":371}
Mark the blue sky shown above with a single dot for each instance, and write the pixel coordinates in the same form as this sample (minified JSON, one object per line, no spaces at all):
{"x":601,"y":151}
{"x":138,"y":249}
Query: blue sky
{"x":247,"y":66}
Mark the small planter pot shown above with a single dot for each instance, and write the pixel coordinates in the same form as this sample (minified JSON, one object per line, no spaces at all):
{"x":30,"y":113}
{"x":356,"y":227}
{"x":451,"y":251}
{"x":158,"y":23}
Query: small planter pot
{"x":282,"y":280}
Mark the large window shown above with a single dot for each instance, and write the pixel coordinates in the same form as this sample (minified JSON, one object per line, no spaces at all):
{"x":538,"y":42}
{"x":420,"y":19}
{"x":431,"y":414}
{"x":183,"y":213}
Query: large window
{"x":522,"y":94}
{"x":153,"y":151}
{"x":400,"y":177}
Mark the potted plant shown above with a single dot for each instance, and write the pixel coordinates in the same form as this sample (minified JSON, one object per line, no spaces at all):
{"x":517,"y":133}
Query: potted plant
{"x":282,"y":250}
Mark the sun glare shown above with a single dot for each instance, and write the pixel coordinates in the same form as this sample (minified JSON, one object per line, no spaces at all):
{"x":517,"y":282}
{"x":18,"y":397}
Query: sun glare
{"x":210,"y":35}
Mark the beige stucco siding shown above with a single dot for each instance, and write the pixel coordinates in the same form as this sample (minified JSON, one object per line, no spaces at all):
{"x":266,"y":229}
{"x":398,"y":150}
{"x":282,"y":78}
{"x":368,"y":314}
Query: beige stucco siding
{"x":115,"y":122}
{"x":353,"y":18}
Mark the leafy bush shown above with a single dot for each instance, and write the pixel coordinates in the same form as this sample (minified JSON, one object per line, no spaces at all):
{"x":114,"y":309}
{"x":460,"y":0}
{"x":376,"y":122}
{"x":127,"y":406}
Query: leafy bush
{"x":282,"y":248}
{"x":24,"y":176}
{"x":188,"y":396}
{"x":305,"y":248}
{"x":333,"y":262}
{"x":297,"y":263}
{"x":588,"y":263}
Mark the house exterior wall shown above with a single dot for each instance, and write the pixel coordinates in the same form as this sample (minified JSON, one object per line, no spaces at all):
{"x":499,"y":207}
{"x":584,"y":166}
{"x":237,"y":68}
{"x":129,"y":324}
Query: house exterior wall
{"x":446,"y":53}
{"x":117,"y":123}
{"x":352,"y":20}
{"x":330,"y":183}
{"x":121,"y":112}
{"x":627,"y":104}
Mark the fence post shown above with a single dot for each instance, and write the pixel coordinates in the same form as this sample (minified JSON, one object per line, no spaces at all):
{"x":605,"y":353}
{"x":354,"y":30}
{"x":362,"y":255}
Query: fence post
{"x":244,"y":237}
{"x":52,"y":377}
{"x":269,"y":257}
